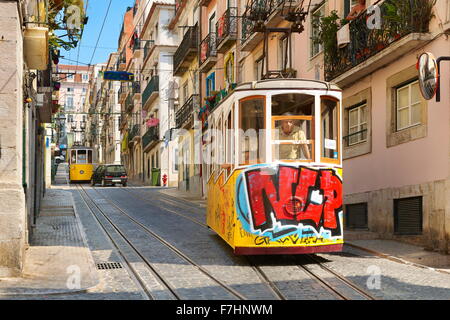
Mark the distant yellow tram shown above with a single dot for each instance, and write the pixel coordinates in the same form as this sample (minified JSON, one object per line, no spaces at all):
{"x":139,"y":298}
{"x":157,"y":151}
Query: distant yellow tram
{"x":81,"y":164}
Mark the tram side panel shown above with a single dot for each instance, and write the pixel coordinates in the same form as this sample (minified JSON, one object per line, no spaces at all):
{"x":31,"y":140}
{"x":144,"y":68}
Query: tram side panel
{"x":278,"y":209}
{"x":221,"y":210}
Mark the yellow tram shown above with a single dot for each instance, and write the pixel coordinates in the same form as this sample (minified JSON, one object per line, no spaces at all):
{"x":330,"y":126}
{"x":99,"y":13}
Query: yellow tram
{"x":273,"y":157}
{"x":81,"y":164}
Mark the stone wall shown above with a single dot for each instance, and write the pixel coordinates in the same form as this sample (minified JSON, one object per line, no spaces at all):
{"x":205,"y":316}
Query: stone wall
{"x":12,"y":200}
{"x":380,"y":207}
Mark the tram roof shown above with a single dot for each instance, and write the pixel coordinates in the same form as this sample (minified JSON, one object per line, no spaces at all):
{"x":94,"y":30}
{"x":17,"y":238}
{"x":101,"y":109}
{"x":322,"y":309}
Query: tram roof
{"x":299,"y":84}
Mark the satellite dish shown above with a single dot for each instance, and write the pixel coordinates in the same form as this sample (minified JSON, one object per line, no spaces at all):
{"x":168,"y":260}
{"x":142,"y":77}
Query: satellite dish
{"x":428,"y":75}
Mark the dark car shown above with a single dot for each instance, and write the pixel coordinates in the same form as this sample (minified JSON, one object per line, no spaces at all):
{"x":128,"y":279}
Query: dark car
{"x":110,"y":174}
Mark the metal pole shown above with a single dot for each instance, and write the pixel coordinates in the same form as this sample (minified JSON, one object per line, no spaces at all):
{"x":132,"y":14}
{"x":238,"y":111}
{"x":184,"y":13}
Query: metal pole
{"x":438,"y":91}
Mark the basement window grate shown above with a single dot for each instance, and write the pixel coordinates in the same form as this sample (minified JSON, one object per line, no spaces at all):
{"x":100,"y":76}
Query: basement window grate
{"x":109,"y":266}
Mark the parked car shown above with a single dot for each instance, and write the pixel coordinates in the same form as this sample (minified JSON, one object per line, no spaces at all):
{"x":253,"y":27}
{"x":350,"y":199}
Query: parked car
{"x":110,"y":174}
{"x":59,"y":159}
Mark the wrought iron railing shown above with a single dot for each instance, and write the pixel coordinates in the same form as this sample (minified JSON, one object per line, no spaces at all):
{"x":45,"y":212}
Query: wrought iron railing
{"x":129,"y":103}
{"x":152,"y":135}
{"x":187,"y":110}
{"x":247,"y":29}
{"x":134,"y":132}
{"x":208,"y":47}
{"x":189,"y":43}
{"x":227,"y":25}
{"x":149,"y":44}
{"x":152,"y":86}
{"x":136,"y":44}
{"x":399,"y":20}
{"x":136,"y":87}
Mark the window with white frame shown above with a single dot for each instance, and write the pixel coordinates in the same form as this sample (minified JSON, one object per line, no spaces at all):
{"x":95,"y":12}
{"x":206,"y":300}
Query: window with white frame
{"x":357,"y":124}
{"x":316,"y":48}
{"x":69,"y":103}
{"x":408,"y":106}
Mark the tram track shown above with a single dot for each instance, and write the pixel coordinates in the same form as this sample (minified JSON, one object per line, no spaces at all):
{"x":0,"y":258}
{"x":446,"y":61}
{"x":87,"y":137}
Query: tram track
{"x":135,"y":273}
{"x":166,"y":244}
{"x":349,"y":286}
{"x":258,"y":269}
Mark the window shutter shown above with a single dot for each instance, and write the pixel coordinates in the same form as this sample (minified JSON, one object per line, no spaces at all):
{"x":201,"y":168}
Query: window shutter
{"x":408,"y":216}
{"x":356,"y":216}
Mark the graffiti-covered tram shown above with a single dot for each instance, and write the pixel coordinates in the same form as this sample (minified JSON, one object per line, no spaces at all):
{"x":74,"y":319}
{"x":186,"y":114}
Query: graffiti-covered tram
{"x":274,"y":167}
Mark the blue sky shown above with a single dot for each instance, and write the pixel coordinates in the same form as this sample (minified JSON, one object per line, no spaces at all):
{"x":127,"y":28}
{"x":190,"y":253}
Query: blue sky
{"x":110,"y":35}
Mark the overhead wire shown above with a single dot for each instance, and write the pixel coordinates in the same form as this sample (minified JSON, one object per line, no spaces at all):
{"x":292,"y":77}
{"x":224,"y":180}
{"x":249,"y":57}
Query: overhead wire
{"x":101,"y":31}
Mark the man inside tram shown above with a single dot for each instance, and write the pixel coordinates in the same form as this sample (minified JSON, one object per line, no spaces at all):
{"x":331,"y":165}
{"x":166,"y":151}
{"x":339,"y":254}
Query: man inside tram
{"x":289,"y":130}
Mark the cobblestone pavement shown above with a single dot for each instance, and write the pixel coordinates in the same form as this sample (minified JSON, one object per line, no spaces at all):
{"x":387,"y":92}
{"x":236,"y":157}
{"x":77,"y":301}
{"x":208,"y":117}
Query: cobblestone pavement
{"x":161,"y":213}
{"x":388,"y":279}
{"x":158,"y":212}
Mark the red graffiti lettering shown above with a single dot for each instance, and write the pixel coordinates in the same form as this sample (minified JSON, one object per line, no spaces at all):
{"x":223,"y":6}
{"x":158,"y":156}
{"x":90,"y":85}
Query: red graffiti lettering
{"x":294,"y":195}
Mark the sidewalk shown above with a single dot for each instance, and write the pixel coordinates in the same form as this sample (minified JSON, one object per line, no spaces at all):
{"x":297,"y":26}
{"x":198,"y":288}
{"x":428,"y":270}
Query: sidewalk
{"x":372,"y":243}
{"x":174,"y":192}
{"x":58,"y":259}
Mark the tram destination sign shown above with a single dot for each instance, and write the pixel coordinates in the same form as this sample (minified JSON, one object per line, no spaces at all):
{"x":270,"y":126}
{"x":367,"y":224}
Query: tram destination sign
{"x":118,"y":76}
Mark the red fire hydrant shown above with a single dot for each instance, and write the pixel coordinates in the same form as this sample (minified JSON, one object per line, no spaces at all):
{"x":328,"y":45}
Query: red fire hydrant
{"x":164,"y":179}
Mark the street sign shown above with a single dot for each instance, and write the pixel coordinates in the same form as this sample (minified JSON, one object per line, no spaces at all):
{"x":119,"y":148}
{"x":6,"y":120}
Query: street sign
{"x":428,"y":75}
{"x":118,"y":76}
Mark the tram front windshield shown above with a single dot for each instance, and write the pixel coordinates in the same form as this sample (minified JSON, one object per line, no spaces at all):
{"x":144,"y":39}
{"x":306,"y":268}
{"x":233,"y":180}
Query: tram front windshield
{"x":292,"y":127}
{"x":81,"y":157}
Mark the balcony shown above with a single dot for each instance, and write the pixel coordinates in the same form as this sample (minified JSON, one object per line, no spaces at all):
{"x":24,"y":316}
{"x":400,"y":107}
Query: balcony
{"x":137,"y":48}
{"x":186,"y":52}
{"x":184,"y":115}
{"x":136,"y":90}
{"x":250,"y":38}
{"x":372,"y":49}
{"x":121,"y":63}
{"x":271,"y":12}
{"x":151,"y":92}
{"x":129,"y":103}
{"x":150,"y":138}
{"x":226,"y":29}
{"x":148,"y":48}
{"x":208,"y":52}
{"x":134,"y":134}
{"x":123,"y":91}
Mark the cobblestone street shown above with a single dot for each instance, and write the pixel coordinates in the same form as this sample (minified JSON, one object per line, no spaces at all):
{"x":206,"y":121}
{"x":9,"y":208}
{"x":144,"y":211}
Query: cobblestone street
{"x":164,"y":251}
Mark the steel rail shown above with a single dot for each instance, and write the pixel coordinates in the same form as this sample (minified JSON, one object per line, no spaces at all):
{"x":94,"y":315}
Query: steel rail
{"x":261,"y":274}
{"x":342,"y":278}
{"x":145,"y":260}
{"x":176,"y":250}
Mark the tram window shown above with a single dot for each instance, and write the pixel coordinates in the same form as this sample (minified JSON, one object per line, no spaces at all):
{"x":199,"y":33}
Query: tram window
{"x":252,"y":133}
{"x":330,"y":128}
{"x":90,"y":156}
{"x":82,"y":157}
{"x":229,"y":143}
{"x":293,"y":103}
{"x":73,"y":157}
{"x":292,"y":138}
